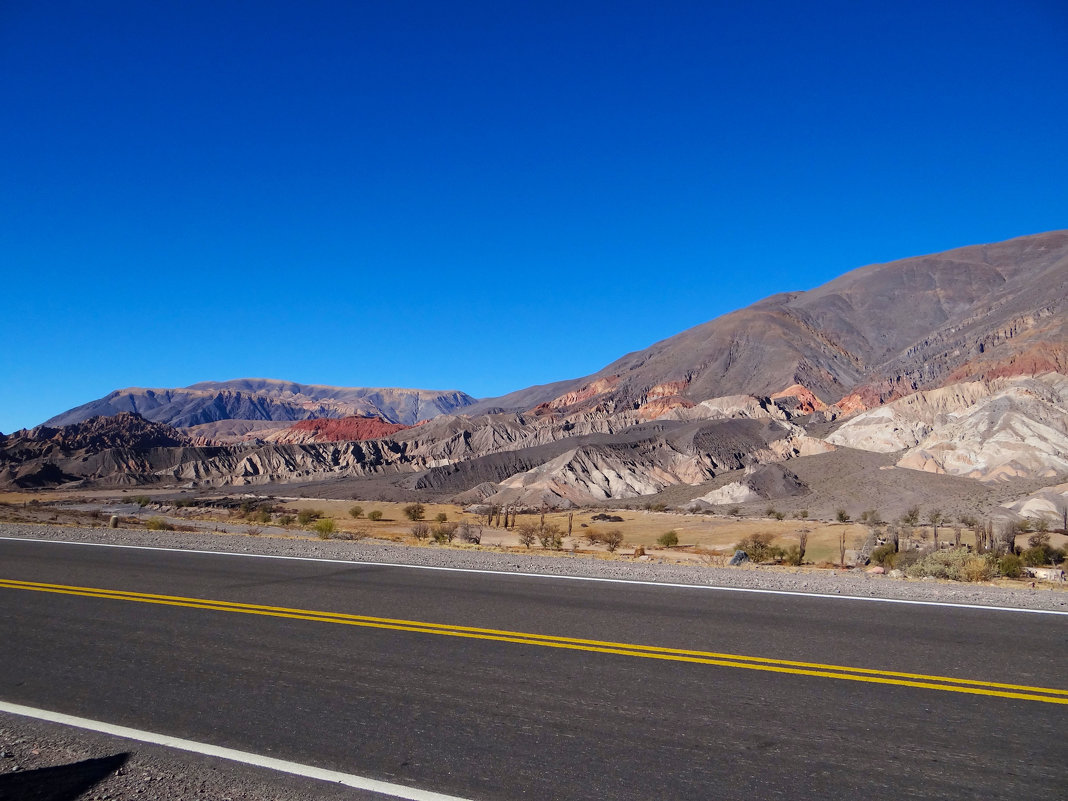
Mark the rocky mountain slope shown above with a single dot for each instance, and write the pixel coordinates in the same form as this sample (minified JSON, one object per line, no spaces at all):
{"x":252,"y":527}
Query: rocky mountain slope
{"x":989,"y":430}
{"x":876,"y":333}
{"x":261,"y":399}
{"x":967,"y":350}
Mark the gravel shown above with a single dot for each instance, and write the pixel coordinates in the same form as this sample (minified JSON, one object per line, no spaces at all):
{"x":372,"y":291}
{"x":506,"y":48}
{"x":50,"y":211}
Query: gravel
{"x":854,"y":583}
{"x":27,"y":745}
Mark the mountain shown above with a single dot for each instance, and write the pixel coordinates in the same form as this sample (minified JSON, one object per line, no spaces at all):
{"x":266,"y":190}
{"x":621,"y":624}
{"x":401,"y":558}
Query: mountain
{"x":996,"y":429}
{"x":954,"y":363}
{"x":46,"y":456}
{"x":262,"y":399}
{"x":875,"y":333}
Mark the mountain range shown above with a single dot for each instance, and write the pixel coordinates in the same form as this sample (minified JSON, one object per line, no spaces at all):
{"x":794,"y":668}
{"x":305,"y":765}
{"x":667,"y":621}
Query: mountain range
{"x":954,"y":363}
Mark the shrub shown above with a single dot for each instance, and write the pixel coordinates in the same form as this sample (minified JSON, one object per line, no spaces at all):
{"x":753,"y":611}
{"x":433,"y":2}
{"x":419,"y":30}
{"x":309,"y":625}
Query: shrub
{"x":802,"y":514}
{"x":262,"y":516}
{"x":324,"y":527}
{"x":734,"y":511}
{"x":550,"y":537}
{"x":758,"y":547}
{"x":792,"y":555}
{"x":668,"y":539}
{"x":1035,"y":557}
{"x":884,"y":555}
{"x":414,"y":511}
{"x":770,"y":511}
{"x":420,"y":531}
{"x":443,"y":532}
{"x":612,"y":539}
{"x":306,"y":516}
{"x":375,"y":515}
{"x":356,"y":512}
{"x":1010,"y":566}
{"x":593,"y":535}
{"x":978,"y":568}
{"x":141,"y":500}
{"x":286,"y":520}
{"x":158,"y":524}
{"x":470,"y":533}
{"x":955,"y":563}
{"x":842,"y":516}
{"x":527,"y":533}
{"x":441,"y":517}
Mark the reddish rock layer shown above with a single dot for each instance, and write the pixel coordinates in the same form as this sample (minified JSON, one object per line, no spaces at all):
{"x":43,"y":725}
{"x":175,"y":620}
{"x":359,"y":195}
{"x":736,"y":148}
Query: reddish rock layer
{"x":344,"y":429}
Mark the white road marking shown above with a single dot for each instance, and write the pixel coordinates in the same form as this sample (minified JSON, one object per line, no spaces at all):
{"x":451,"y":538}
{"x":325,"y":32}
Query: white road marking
{"x":634,"y":582}
{"x":281,"y":765}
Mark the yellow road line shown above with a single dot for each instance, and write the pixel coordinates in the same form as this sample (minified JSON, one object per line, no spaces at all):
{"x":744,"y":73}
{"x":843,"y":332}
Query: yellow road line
{"x":870,"y":675}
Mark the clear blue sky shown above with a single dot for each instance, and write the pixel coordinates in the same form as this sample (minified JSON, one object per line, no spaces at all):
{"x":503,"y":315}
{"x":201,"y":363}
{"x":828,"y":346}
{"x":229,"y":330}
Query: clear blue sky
{"x":483,"y":195}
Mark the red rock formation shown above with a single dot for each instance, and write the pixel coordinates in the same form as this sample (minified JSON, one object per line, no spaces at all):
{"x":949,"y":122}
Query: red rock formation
{"x":807,"y":402}
{"x":594,"y":388}
{"x":344,"y":429}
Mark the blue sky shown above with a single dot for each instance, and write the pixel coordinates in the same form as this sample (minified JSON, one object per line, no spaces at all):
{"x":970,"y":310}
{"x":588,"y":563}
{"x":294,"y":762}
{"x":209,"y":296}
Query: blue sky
{"x":483,"y":195}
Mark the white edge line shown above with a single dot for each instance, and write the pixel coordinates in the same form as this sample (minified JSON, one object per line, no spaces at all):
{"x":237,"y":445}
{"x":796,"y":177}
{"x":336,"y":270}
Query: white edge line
{"x":281,"y":765}
{"x":634,"y":582}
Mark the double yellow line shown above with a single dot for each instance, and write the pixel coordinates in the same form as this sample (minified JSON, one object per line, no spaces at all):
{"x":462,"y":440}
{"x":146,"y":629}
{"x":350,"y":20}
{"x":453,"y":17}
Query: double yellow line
{"x":920,"y":680}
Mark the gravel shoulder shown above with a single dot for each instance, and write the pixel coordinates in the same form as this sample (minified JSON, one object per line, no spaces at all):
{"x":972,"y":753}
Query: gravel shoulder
{"x":854,"y":583}
{"x":150,"y":771}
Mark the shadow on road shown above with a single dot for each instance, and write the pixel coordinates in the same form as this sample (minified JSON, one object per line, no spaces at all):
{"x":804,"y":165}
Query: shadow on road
{"x":60,"y":783}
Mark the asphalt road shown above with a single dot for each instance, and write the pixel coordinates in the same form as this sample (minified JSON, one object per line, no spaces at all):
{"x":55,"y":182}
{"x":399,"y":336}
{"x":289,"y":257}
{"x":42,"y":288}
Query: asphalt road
{"x":484,"y":715}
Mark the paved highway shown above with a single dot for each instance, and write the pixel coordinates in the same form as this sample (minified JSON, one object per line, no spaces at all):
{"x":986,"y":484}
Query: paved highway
{"x":488,"y":686}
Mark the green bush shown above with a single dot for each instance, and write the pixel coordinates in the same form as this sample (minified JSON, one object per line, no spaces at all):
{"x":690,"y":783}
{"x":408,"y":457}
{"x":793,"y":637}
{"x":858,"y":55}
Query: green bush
{"x":668,"y":540}
{"x":444,"y":532}
{"x":324,"y":527}
{"x":842,"y":516}
{"x":306,"y":516}
{"x":141,"y":500}
{"x":356,"y":512}
{"x":957,"y":564}
{"x":158,"y":524}
{"x":441,"y":517}
{"x":1036,"y":556}
{"x":375,"y":515}
{"x":792,"y":555}
{"x":884,"y":555}
{"x":550,"y":537}
{"x":414,"y":511}
{"x":285,"y":520}
{"x":758,"y":547}
{"x":1010,"y":566}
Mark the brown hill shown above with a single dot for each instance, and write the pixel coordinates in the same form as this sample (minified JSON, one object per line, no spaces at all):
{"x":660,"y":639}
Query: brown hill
{"x":262,"y":399}
{"x":878,"y":332}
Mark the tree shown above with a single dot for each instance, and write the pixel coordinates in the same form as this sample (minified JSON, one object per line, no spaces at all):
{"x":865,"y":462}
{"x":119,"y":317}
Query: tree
{"x":375,"y":515}
{"x":802,"y":544}
{"x":842,"y":516}
{"x":613,"y":538}
{"x":935,"y":517}
{"x":356,"y":512}
{"x":911,"y":517}
{"x":550,"y":537}
{"x":528,"y":532}
{"x":668,"y":540}
{"x":414,"y":511}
